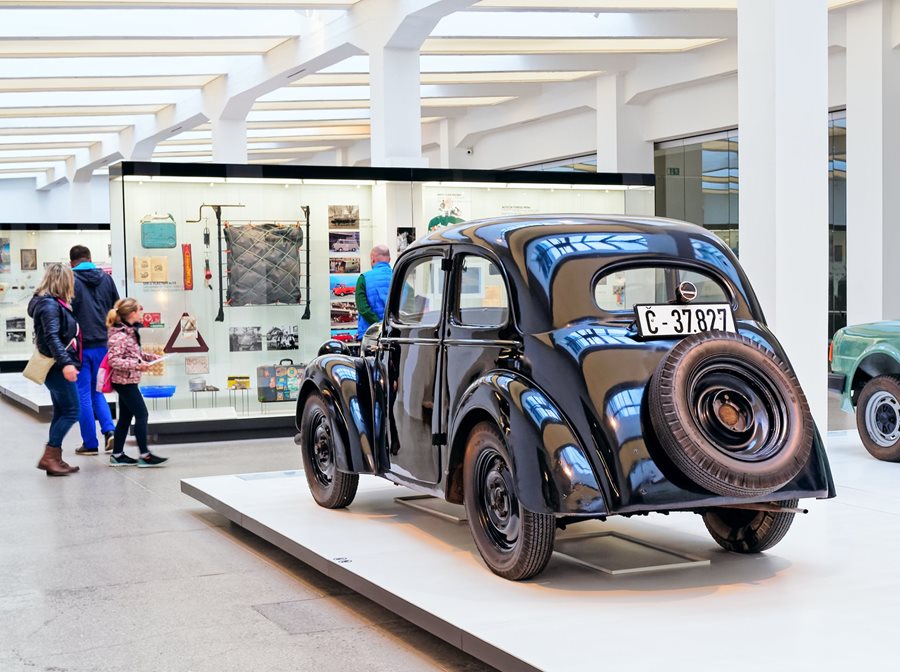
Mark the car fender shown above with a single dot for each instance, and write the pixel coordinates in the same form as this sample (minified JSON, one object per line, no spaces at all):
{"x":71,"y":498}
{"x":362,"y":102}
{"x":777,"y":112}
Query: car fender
{"x":552,"y":471}
{"x":868,"y":359}
{"x":345,"y":384}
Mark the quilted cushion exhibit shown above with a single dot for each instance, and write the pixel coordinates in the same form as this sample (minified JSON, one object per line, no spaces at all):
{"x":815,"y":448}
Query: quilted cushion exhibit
{"x":263,"y":264}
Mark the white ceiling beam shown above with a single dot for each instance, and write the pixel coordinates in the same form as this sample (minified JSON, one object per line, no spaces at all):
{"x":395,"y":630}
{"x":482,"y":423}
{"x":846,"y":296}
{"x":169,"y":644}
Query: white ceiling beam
{"x":551,"y":102}
{"x":671,"y":24}
{"x":58,"y":174}
{"x":368,"y":25}
{"x":314,"y":93}
{"x":88,"y":98}
{"x":117,"y":67}
{"x":654,"y":74}
{"x":117,"y":23}
{"x":56,"y":124}
{"x":496,"y":63}
{"x":182,"y":4}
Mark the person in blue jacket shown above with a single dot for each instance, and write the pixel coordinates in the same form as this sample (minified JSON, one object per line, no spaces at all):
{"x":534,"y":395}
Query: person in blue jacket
{"x":372,"y":289}
{"x":95,"y":295}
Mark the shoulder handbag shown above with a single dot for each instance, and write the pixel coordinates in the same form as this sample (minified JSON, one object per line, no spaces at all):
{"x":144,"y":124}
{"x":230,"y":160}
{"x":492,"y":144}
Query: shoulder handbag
{"x":38,"y":367}
{"x":104,"y":376}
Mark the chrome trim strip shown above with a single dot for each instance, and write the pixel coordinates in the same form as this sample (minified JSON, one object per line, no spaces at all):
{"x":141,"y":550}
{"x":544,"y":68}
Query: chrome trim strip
{"x":482,"y":342}
{"x":407,"y":341}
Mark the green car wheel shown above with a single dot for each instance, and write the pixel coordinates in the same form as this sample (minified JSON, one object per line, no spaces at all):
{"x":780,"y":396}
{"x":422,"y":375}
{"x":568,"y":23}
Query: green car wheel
{"x":878,"y":418}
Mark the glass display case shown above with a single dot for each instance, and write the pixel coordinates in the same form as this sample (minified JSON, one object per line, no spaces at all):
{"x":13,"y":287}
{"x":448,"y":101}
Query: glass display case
{"x":244,"y":271}
{"x":24,"y":251}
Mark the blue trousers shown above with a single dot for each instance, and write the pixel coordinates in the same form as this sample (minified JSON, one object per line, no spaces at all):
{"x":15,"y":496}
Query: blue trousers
{"x":65,"y":406}
{"x":93,"y":404}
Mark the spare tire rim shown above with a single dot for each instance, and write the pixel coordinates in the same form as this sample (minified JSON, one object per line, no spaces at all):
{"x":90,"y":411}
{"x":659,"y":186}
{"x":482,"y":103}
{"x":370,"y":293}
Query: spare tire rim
{"x":883,"y":419}
{"x":738,"y":410}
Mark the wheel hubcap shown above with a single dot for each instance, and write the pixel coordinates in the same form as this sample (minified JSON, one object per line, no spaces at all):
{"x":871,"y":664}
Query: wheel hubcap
{"x":883,"y":419}
{"x":738,"y":410}
{"x":321,"y":450}
{"x":499,"y":506}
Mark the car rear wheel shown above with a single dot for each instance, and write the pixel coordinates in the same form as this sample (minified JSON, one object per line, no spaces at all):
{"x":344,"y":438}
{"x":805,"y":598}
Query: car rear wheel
{"x":878,"y":418}
{"x":514,"y":542}
{"x":748,"y":531}
{"x":330,"y":488}
{"x":730,"y":415}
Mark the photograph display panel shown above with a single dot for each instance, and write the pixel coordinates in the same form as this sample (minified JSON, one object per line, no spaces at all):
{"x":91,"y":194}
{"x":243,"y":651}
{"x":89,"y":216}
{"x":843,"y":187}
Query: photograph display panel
{"x":249,"y":329}
{"x":262,"y":276}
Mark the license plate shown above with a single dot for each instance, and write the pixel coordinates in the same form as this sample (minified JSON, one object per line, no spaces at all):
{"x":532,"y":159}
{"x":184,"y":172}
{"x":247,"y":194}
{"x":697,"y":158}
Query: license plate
{"x":668,"y":320}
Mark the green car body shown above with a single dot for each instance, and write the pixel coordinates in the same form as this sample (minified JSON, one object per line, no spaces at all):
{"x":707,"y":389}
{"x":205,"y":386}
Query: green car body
{"x":865,"y":370}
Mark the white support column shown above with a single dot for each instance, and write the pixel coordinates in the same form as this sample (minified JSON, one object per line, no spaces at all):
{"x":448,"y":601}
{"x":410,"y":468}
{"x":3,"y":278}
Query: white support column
{"x":873,"y":174}
{"x":783,"y":121}
{"x":620,"y":146}
{"x":446,"y":142}
{"x":229,"y":140}
{"x":396,"y":108}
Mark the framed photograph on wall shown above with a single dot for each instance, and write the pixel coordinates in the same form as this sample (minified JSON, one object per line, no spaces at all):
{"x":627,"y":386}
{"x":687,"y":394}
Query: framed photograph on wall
{"x":28,"y":257}
{"x":343,"y":216}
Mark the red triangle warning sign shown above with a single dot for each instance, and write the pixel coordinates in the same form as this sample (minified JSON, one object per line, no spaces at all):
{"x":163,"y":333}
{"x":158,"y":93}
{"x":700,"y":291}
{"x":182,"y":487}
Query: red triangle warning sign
{"x":186,"y":337}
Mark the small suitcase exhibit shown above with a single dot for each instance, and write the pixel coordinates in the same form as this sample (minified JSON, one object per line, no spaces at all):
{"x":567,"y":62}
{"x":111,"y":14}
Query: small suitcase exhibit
{"x":280,"y":382}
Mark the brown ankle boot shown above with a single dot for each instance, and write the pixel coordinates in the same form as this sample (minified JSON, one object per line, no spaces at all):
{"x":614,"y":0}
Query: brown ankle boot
{"x":52,"y":463}
{"x":66,"y":465}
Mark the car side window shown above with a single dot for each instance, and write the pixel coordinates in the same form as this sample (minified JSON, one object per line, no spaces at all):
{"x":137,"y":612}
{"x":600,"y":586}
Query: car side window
{"x":421,"y":293}
{"x":481,"y":293}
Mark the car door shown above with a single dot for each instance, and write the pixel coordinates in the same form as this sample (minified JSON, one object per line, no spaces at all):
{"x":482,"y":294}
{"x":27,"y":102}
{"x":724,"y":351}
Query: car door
{"x":411,"y":360}
{"x":480,"y":335}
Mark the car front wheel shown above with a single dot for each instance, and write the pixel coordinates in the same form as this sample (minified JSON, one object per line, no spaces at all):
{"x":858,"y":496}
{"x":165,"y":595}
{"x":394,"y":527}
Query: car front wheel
{"x":749,"y":531}
{"x":878,"y":418}
{"x":514,"y":542}
{"x":330,"y":488}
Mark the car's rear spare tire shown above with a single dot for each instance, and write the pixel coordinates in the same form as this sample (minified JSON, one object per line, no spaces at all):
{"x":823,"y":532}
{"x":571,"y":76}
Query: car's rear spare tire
{"x":730,"y":415}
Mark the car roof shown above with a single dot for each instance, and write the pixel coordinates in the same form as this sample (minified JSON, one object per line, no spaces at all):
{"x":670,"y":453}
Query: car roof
{"x":489,"y":231}
{"x":533,"y":249}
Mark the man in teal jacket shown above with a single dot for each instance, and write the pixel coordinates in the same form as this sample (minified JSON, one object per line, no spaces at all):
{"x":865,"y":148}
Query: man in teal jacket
{"x":372,"y":289}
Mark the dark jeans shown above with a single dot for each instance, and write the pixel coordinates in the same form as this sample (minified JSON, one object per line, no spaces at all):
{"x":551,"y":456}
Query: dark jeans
{"x":131,"y":405}
{"x":64,"y":396}
{"x":93,"y":403}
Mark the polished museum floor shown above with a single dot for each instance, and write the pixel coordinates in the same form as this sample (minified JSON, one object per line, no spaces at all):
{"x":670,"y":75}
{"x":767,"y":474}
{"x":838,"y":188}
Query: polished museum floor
{"x":117,"y":570}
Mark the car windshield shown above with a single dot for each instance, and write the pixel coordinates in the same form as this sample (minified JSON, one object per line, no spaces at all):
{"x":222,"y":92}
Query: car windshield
{"x":619,"y":291}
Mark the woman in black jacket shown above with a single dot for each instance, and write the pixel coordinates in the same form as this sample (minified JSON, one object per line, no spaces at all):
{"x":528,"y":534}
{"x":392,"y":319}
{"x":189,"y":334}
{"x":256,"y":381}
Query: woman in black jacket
{"x":57,"y":335}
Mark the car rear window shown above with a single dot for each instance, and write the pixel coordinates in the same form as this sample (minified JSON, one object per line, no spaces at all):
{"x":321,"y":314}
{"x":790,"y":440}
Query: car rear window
{"x":620,"y":290}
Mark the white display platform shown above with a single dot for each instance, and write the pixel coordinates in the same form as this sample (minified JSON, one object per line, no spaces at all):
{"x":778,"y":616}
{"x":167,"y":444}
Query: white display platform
{"x":786,"y":609}
{"x":32,"y":396}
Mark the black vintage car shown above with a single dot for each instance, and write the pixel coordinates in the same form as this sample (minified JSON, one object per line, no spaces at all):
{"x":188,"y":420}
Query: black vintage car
{"x":550,"y":369}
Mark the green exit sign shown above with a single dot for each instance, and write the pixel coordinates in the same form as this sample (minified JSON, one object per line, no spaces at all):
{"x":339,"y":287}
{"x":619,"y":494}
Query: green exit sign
{"x":673,"y":171}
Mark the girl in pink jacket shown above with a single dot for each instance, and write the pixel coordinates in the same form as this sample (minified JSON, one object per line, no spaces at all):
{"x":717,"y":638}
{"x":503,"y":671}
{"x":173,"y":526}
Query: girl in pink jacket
{"x":126,"y":363}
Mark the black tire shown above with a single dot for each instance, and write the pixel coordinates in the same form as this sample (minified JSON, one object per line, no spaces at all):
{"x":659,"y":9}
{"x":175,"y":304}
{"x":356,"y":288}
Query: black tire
{"x":878,"y":418}
{"x":515,"y":543}
{"x":730,"y":415}
{"x":748,"y":531}
{"x":330,"y":488}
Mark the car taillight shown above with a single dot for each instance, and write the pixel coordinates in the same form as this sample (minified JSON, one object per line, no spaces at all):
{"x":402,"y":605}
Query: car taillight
{"x":830,"y":351}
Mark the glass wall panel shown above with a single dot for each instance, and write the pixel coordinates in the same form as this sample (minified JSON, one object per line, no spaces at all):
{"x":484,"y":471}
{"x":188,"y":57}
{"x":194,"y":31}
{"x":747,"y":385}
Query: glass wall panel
{"x":25,"y":249}
{"x":698,"y":180}
{"x":837,"y":222}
